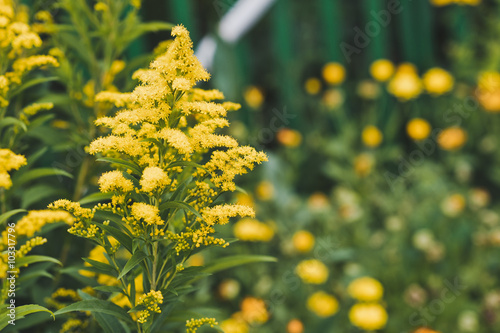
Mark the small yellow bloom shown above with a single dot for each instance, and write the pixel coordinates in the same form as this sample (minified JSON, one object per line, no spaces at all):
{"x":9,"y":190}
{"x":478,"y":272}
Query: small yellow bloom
{"x":303,"y":241}
{"x":437,"y":81}
{"x":488,"y":92}
{"x":229,"y":289}
{"x":382,"y":70}
{"x":334,"y":73}
{"x":322,"y":304}
{"x":114,"y":181}
{"x":453,"y":205}
{"x":312,"y":86}
{"x":251,"y":230}
{"x":368,"y":316}
{"x":333,"y":98}
{"x":440,"y":3}
{"x":405,"y":84}
{"x":289,"y":137}
{"x":295,"y":326}
{"x":318,"y":201}
{"x":254,"y":97}
{"x":418,"y":129}
{"x":363,"y":164}
{"x":312,"y":271}
{"x":371,"y":136}
{"x":254,"y":310}
{"x":452,"y":138}
{"x":234,"y":325}
{"x":264,"y":191}
{"x":366,"y":289}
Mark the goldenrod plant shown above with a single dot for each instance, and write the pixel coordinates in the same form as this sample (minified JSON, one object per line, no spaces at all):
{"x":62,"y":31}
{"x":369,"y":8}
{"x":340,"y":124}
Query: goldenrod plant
{"x":170,"y":169}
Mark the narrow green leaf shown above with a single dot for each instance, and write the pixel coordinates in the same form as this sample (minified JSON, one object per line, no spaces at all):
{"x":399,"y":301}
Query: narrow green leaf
{"x":96,"y":305}
{"x":22,"y":311}
{"x":233,"y":261}
{"x":36,"y":258}
{"x":109,"y":289}
{"x":32,"y":83}
{"x":125,"y":164}
{"x":107,"y":322}
{"x":185,"y":163}
{"x":10,"y":121}
{"x":102,"y":267}
{"x":179,"y":205}
{"x":137,"y":257}
{"x":95,"y":197}
{"x":5,"y":216}
{"x":38,"y":173}
{"x":120,"y":236}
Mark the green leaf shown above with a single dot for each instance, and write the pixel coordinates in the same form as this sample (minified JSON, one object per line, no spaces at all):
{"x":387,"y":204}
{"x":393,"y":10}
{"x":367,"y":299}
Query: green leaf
{"x":233,"y":261}
{"x":37,"y":258}
{"x":120,"y":236}
{"x":36,"y":193}
{"x":5,"y":216}
{"x":137,"y":257}
{"x":10,"y":121}
{"x":179,"y":205}
{"x":96,"y":305}
{"x":22,"y":311}
{"x":38,"y":173}
{"x":185,"y":163}
{"x":109,"y":289}
{"x":102,"y":267}
{"x":127,"y":165}
{"x":95,"y":197}
{"x":108,"y":323}
{"x":32,"y":83}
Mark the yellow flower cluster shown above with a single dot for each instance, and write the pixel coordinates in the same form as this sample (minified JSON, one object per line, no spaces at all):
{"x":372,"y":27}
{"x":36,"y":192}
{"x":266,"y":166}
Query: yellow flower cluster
{"x":31,"y":223}
{"x":368,"y":314}
{"x":151,"y":301}
{"x":29,"y":245}
{"x":82,"y":218}
{"x":312,"y":271}
{"x":405,"y":84}
{"x":303,"y":241}
{"x":251,"y":230}
{"x":488,"y":92}
{"x":192,"y":325}
{"x":9,"y":161}
{"x":440,"y":3}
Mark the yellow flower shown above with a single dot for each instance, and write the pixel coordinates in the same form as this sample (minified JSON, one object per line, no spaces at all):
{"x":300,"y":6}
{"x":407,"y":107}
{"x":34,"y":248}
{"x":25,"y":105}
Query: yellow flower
{"x":437,"y":81}
{"x":317,"y":201}
{"x":229,"y":289}
{"x":371,"y":136}
{"x":440,"y":3}
{"x":9,"y":161}
{"x":382,"y":70}
{"x":334,"y":73}
{"x":289,"y":137}
{"x":234,"y":325}
{"x":303,"y":241}
{"x":418,"y":129}
{"x":322,"y":304}
{"x":453,"y":205}
{"x":254,"y":97}
{"x":368,"y":316}
{"x":253,"y":310}
{"x":192,"y":325}
{"x":312,"y":86}
{"x":264,"y":190}
{"x":251,"y":230}
{"x":368,"y":89}
{"x":333,"y":98}
{"x":405,"y":84}
{"x":36,"y":219}
{"x":312,"y":271}
{"x":114,"y":181}
{"x":147,"y":213}
{"x":295,"y":326}
{"x":365,"y":289}
{"x":154,"y":178}
{"x":488,"y":92}
{"x":452,"y":138}
{"x":363,"y":164}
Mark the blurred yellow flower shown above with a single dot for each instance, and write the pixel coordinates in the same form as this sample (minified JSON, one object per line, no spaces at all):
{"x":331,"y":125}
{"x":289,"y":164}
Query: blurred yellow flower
{"x":234,"y":325}
{"x":453,"y":205}
{"x":418,"y":129}
{"x":312,"y":271}
{"x":363,"y":164}
{"x":295,"y":326}
{"x":468,"y":2}
{"x":368,"y":89}
{"x":323,"y":304}
{"x":264,"y":190}
{"x":251,"y":230}
{"x":371,"y":136}
{"x":382,"y":70}
{"x":229,"y":289}
{"x":303,"y":241}
{"x":9,"y":161}
{"x":333,"y":98}
{"x":312,"y":86}
{"x":317,"y":201}
{"x":405,"y":84}
{"x":195,"y":260}
{"x":289,"y":137}
{"x":437,"y":81}
{"x":244,"y":199}
{"x":254,"y":97}
{"x":253,"y":310}
{"x":488,"y":92}
{"x":440,"y":3}
{"x":452,"y":138}
{"x":479,"y":197}
{"x":368,"y":316}
{"x":366,"y":289}
{"x":333,"y":73}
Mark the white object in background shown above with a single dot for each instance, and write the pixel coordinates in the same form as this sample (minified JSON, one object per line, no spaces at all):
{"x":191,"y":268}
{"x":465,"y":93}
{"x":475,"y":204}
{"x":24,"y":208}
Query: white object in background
{"x":233,"y":25}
